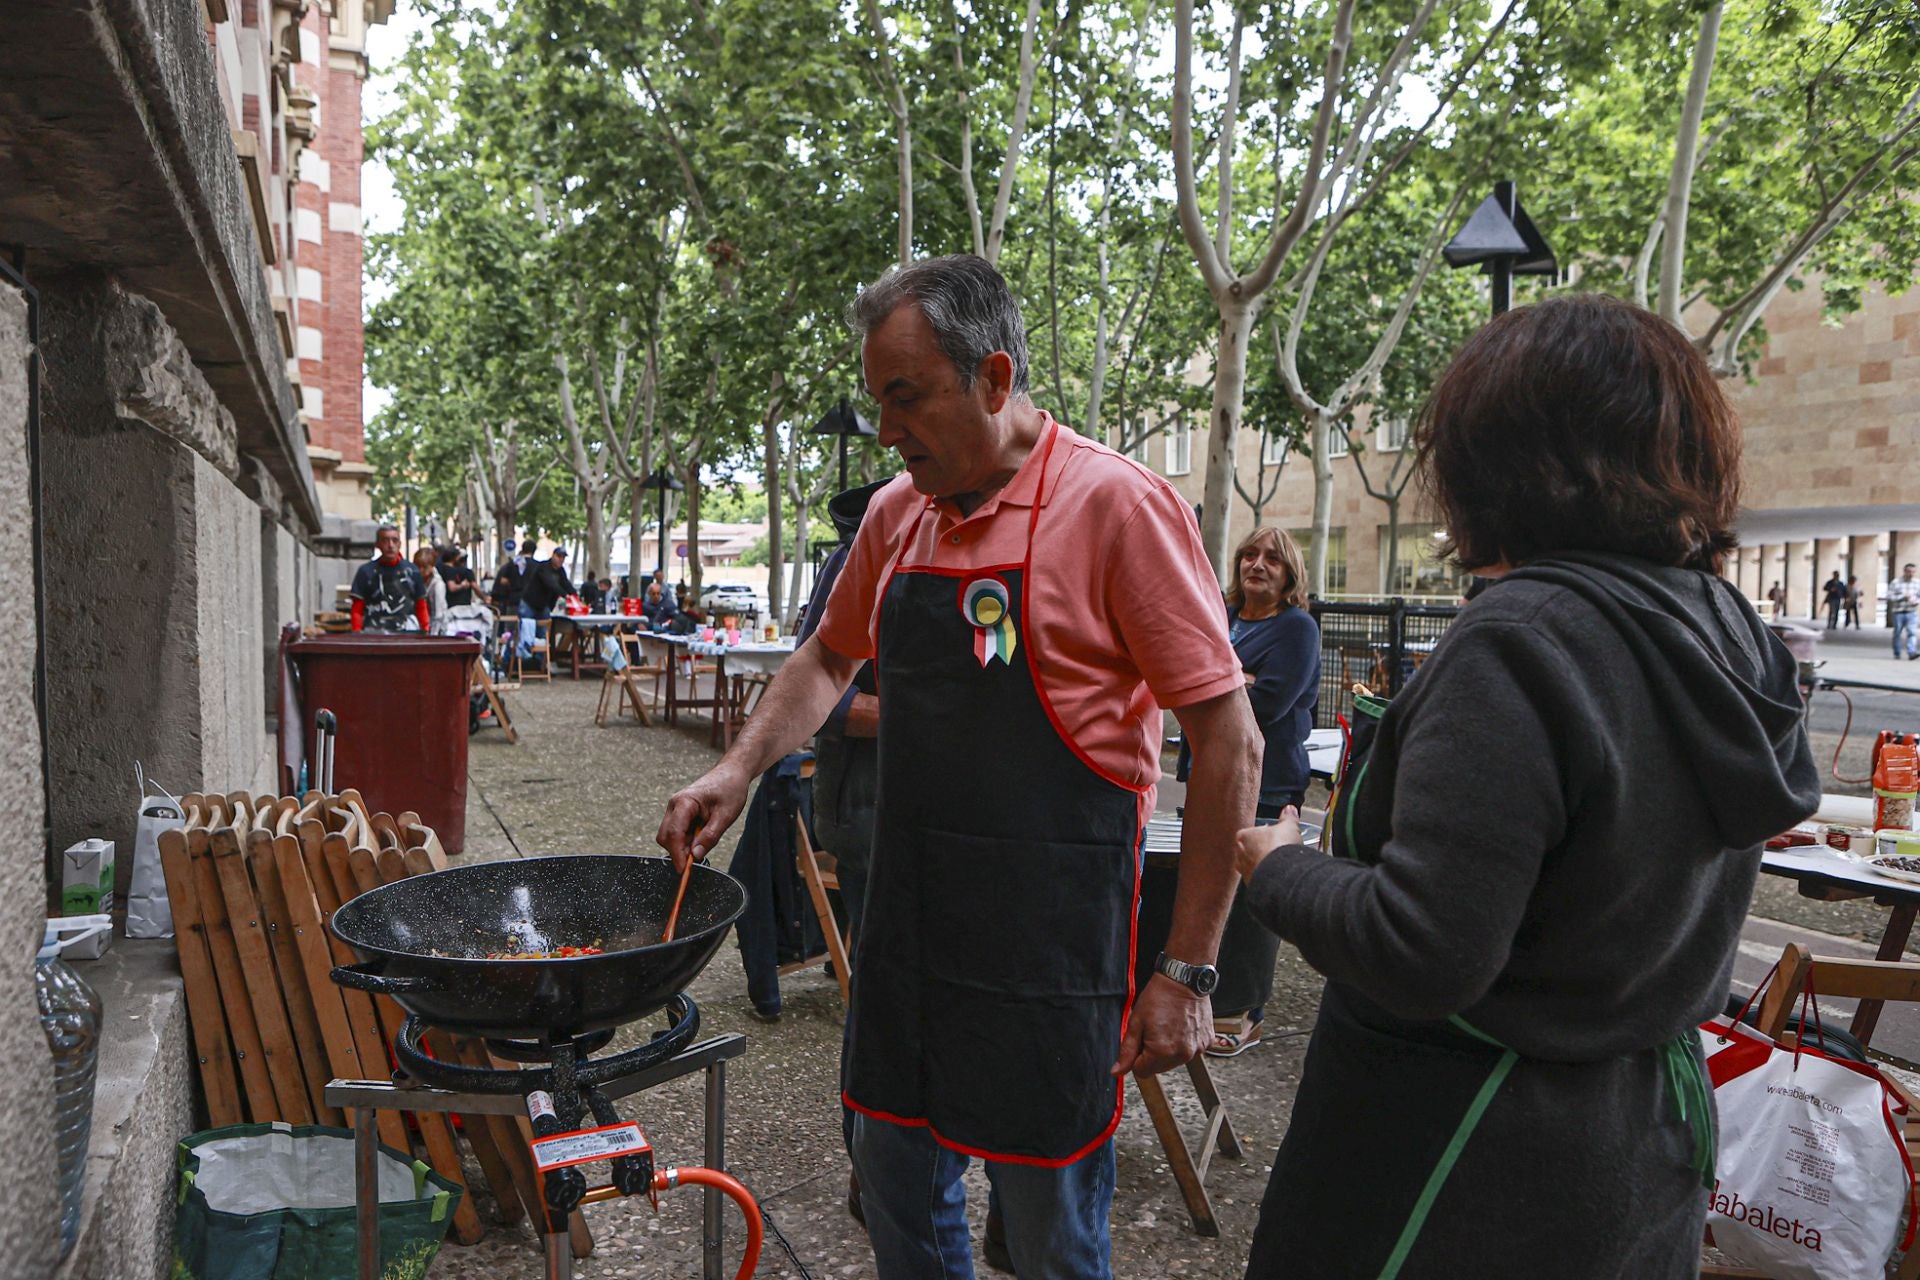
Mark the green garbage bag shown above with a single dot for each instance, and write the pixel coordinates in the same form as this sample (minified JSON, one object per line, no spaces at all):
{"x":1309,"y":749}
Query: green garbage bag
{"x":275,"y":1202}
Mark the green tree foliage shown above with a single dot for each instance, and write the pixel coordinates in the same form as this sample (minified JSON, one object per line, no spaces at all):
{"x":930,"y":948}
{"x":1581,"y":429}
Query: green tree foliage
{"x":633,"y":226}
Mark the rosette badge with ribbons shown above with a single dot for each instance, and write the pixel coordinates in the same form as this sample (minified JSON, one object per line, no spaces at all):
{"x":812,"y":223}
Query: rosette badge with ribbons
{"x":985,"y":604}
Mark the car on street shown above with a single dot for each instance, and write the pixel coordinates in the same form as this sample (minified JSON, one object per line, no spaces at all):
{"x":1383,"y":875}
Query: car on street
{"x":729,"y":597}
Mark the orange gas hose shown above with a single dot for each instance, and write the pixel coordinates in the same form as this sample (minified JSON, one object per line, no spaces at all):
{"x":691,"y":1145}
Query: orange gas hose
{"x":667,"y":1179}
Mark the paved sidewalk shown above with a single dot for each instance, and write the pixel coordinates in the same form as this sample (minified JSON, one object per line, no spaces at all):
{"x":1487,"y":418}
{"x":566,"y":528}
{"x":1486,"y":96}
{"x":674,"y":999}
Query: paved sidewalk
{"x":1865,"y":655}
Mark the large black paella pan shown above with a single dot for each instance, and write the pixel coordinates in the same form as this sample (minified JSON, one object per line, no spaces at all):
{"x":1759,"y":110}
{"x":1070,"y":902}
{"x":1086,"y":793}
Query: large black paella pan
{"x":428,"y":941}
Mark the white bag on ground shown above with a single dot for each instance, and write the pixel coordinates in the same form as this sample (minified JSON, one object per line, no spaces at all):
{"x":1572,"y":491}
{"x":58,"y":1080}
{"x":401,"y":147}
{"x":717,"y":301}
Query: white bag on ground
{"x":149,"y":914}
{"x":1812,"y":1180}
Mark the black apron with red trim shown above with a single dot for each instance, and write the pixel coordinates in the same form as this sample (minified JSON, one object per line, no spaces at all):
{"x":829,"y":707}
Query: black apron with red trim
{"x":994,"y":969}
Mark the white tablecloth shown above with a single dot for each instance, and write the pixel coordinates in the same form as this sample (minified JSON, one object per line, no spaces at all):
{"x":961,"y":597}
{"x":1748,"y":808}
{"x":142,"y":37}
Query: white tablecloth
{"x":744,"y":659}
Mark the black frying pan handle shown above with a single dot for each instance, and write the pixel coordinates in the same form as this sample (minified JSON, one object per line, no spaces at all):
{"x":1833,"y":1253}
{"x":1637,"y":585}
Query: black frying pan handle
{"x":359,"y":977}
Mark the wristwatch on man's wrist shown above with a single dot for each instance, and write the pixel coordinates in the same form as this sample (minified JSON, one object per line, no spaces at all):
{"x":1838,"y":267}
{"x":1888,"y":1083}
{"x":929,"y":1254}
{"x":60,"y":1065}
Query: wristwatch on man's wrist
{"x":1200,"y":979}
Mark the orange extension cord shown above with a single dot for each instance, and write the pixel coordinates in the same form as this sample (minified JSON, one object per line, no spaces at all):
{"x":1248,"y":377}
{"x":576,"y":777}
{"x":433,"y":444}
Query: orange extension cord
{"x":667,"y":1179}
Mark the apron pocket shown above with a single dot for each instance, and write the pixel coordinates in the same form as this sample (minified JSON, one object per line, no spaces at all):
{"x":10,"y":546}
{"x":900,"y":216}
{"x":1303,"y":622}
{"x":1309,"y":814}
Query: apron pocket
{"x":1027,"y":918}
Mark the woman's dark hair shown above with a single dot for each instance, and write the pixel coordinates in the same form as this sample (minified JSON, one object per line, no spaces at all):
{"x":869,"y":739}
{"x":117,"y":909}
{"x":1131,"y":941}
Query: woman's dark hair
{"x":1583,"y":423}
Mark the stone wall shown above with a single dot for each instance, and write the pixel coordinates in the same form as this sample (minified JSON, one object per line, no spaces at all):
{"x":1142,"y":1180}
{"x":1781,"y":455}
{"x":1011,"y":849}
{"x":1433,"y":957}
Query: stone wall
{"x":1832,"y":415}
{"x":154,"y":610}
{"x":27,"y":1200}
{"x":234,"y":753}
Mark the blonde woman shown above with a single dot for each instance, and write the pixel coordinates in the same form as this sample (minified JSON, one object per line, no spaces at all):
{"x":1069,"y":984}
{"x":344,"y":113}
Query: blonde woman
{"x":436,"y":596}
{"x":1278,"y":644}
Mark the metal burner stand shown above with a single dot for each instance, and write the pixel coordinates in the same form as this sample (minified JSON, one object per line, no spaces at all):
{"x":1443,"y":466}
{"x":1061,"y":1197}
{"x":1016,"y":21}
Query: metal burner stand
{"x":366,"y":1097}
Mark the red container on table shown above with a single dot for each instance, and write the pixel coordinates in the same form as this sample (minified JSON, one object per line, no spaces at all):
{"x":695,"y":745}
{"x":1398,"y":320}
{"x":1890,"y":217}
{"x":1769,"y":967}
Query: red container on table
{"x":401,"y":701}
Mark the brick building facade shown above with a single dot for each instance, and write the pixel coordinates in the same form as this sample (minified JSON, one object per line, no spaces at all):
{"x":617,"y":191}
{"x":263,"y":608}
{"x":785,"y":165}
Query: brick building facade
{"x":327,"y":222}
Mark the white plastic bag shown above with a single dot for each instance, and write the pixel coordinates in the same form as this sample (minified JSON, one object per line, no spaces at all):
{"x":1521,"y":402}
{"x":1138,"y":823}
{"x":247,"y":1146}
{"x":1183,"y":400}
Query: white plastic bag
{"x":149,"y":913}
{"x":1812,"y":1180}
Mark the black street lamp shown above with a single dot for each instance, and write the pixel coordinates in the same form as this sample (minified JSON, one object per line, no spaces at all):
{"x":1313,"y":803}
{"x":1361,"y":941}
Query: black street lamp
{"x":663,"y":480}
{"x":844,"y":420}
{"x":1502,"y":241}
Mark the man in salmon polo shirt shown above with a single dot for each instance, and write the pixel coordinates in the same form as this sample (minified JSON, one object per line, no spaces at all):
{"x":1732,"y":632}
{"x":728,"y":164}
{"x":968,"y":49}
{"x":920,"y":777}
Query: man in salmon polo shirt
{"x":1031,"y":601}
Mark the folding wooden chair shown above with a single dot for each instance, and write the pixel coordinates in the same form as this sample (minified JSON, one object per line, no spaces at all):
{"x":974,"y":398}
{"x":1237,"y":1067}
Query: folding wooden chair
{"x":483,"y":683}
{"x":1871,"y":982}
{"x":738,"y":700}
{"x":818,"y":869}
{"x":1189,"y":1172}
{"x":541,"y":649}
{"x":619,"y":686}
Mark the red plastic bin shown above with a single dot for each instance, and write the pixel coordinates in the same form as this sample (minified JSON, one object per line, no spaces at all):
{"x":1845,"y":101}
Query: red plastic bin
{"x":401,"y":702}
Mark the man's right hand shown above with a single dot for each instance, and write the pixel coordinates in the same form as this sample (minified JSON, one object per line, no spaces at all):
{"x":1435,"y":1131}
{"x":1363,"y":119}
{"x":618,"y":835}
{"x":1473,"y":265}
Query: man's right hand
{"x":698,"y":815}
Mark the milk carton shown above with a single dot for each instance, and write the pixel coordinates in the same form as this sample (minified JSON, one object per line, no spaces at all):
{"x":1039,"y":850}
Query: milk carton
{"x":86,"y":888}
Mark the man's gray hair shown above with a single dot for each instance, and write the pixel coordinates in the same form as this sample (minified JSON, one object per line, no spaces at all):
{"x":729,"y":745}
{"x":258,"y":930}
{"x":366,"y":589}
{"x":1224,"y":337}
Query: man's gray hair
{"x":968,"y":303}
{"x":383,"y":528}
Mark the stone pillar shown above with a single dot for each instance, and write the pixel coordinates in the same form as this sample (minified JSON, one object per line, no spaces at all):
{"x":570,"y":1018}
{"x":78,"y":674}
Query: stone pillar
{"x":1748,"y":568}
{"x":1796,"y":573}
{"x":153,"y":605}
{"x":1906,"y":551}
{"x":1870,"y":562}
{"x":29,"y":1211}
{"x":1829,"y":557}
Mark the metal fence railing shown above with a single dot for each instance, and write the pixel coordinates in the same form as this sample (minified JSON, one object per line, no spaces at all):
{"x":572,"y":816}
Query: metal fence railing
{"x":1378,"y":645}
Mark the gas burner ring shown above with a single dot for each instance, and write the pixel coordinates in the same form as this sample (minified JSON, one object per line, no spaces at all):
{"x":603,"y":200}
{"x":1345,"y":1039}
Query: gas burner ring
{"x":416,"y":1063}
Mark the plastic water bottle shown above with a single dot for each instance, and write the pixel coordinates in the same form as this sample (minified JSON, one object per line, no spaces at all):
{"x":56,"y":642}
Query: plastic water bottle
{"x":70,"y":1016}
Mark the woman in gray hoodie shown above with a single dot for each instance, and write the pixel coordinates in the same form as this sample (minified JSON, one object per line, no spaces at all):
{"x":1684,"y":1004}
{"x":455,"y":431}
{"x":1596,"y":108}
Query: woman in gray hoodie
{"x":1542,"y":860}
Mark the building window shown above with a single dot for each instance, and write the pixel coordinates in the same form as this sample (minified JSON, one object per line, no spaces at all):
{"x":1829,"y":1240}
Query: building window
{"x":1415,"y":568}
{"x":1337,"y":446}
{"x":1391,"y":435}
{"x":1273,"y":450}
{"x":1180,"y":448}
{"x":1139,"y":450}
{"x":1336,"y":557}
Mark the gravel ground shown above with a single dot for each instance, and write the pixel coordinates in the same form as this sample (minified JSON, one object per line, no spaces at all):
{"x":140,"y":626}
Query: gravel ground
{"x":568,"y":787}
{"x":571,"y":788}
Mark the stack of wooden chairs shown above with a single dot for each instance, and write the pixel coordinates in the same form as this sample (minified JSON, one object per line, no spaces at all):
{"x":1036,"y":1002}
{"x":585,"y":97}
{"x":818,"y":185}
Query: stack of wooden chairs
{"x":254,"y":882}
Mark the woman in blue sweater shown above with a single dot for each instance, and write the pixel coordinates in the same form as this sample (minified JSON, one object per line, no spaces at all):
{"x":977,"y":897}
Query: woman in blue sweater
{"x":1279,"y":647}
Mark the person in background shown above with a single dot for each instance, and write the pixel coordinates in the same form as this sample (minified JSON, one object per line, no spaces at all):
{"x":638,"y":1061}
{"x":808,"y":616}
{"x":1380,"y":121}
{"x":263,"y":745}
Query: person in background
{"x":509,"y":584}
{"x":1777,"y":597}
{"x":1834,"y":594}
{"x":846,"y":776}
{"x":655,"y":608}
{"x":1508,"y":958}
{"x":436,"y":598}
{"x":1853,"y":603}
{"x":386,"y":590}
{"x":547,"y":585}
{"x":458,"y":575}
{"x":1903,"y":606}
{"x":1278,"y":644}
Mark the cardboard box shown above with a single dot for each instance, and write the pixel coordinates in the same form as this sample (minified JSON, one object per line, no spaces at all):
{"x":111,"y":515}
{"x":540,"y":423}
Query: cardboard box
{"x":86,"y":888}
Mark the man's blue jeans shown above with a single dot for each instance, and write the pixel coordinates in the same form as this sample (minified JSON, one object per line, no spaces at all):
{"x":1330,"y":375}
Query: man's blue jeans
{"x":1903,"y":634}
{"x":916,"y":1207}
{"x":527,"y":630}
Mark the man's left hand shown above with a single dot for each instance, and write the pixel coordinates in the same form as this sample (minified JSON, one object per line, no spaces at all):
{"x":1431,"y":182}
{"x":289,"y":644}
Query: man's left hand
{"x":1168,"y":1028}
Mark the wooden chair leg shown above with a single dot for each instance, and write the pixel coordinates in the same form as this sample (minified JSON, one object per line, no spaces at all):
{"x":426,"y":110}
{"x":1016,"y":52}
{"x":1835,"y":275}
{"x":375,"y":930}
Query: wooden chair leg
{"x":1192,"y":1189}
{"x":630,"y":690}
{"x":1219,"y":1135}
{"x":822,"y":907}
